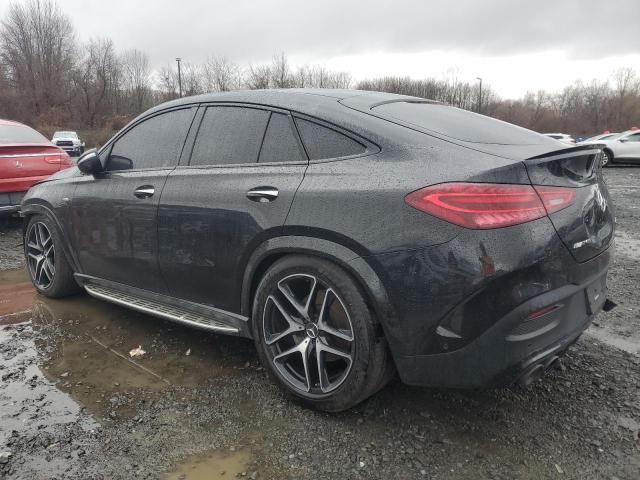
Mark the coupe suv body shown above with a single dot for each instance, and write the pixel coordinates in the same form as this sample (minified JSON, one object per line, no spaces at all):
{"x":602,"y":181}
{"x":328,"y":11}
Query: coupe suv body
{"x":26,"y":157}
{"x":350,"y":234}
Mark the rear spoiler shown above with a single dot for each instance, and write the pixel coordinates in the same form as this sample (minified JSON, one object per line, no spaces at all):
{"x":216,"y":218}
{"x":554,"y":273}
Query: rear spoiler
{"x":574,"y":166}
{"x":593,"y":148}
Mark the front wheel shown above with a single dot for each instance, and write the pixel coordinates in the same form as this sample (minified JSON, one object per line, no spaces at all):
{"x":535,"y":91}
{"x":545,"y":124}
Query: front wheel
{"x":606,"y":158}
{"x":315,"y":333}
{"x":48,"y":268}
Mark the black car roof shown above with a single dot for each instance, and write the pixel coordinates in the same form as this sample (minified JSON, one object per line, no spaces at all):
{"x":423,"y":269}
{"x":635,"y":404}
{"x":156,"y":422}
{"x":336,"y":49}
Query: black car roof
{"x":299,"y":99}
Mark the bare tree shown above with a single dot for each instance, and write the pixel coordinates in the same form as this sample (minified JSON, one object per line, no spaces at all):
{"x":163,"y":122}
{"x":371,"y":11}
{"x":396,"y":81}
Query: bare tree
{"x":221,"y":75}
{"x":38,"y":45}
{"x":280,"y":74}
{"x":94,"y":77}
{"x":258,"y":77}
{"x":625,"y":85}
{"x":136,"y":77}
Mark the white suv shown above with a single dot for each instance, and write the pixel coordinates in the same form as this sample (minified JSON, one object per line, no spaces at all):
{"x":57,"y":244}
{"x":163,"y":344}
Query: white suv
{"x":621,"y":148}
{"x":69,"y":142}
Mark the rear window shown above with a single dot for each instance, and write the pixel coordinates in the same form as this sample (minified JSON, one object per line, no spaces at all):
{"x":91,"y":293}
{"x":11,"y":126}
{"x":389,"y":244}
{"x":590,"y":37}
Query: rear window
{"x":322,"y":142}
{"x":456,"y":123}
{"x":20,"y":134}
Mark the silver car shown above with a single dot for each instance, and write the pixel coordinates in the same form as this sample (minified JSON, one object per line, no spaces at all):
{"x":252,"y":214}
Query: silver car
{"x":619,"y":147}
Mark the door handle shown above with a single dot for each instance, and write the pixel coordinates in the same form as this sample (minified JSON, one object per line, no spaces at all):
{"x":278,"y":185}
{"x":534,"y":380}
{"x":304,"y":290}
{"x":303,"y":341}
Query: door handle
{"x":144,"y":191}
{"x":263,"y":194}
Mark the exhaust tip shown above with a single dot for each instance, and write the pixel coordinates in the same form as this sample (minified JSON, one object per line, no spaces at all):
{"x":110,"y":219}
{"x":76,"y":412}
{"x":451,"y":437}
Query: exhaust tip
{"x":532,"y":375}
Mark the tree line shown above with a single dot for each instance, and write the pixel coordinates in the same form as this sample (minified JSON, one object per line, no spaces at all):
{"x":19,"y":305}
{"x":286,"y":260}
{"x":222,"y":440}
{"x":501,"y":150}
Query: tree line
{"x":50,"y":80}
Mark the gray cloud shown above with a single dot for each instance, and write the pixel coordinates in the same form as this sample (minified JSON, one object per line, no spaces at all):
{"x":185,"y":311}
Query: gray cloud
{"x":252,"y":31}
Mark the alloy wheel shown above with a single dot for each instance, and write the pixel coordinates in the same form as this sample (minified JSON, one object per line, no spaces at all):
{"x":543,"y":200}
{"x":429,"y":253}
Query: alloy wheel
{"x":41,"y":255}
{"x":606,"y":157}
{"x":308,"y":334}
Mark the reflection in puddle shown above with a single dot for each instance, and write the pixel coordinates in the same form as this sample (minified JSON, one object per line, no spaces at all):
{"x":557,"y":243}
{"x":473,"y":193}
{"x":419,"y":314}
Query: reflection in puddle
{"x":214,"y":465}
{"x":88,"y":341}
{"x":16,"y":296}
{"x":81,"y":344}
{"x":28,"y":401}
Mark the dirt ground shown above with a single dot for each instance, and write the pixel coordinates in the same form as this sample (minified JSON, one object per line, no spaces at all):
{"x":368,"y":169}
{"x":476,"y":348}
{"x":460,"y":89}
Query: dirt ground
{"x":74,"y":405}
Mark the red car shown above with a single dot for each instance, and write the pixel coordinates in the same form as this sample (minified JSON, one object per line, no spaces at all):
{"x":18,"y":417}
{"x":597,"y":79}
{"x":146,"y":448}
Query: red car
{"x":26,"y":157}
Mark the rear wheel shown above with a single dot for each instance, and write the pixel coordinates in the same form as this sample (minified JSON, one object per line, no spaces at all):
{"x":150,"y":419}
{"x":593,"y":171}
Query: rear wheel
{"x":48,"y":268}
{"x":316,"y":335}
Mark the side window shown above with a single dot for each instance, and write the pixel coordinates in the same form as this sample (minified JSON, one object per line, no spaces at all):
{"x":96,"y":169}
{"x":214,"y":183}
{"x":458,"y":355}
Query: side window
{"x":634,"y":138}
{"x":280,"y":143}
{"x":229,"y":135}
{"x":322,"y":142}
{"x":154,"y":143}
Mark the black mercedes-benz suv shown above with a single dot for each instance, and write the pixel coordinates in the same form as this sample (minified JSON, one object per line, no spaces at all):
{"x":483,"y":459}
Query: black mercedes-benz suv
{"x":350,"y":234}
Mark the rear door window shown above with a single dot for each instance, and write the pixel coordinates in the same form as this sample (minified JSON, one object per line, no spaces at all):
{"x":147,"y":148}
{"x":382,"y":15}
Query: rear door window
{"x":229,"y":136}
{"x":153,"y":143}
{"x":322,"y":142}
{"x":280,"y":142}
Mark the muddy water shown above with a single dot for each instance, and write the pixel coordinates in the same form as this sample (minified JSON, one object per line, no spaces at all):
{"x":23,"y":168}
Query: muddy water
{"x":81,"y":345}
{"x":16,"y":296}
{"x":214,"y":465}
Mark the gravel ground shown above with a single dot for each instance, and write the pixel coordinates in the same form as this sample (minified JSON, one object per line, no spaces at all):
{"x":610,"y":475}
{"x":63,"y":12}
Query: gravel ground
{"x":73,"y":404}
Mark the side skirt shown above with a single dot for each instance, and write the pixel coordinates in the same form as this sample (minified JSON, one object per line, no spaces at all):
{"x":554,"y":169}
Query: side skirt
{"x":180,"y":311}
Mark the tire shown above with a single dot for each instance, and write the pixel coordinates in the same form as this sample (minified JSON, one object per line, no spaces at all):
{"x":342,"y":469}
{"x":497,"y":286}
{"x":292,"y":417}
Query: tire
{"x":333,"y":324}
{"x":606,"y":158}
{"x":47,"y":265}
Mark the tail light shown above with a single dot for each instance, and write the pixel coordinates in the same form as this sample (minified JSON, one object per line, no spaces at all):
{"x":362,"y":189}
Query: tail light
{"x":57,"y":158}
{"x":487,"y":205}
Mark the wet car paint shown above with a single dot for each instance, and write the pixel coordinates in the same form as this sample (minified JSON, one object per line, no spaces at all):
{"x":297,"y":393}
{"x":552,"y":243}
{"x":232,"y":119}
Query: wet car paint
{"x":350,"y":210}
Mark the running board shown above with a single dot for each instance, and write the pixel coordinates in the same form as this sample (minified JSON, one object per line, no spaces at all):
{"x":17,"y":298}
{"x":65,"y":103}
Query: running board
{"x":161,"y":310}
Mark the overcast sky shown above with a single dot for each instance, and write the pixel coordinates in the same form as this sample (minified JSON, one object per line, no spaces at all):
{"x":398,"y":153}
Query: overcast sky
{"x":514,"y":45}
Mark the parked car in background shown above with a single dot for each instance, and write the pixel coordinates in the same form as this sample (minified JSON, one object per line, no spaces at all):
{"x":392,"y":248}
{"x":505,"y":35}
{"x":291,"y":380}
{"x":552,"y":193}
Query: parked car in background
{"x":619,"y":147}
{"x":26,"y":157}
{"x":70,"y":142}
{"x":561,"y":137}
{"x":602,"y":136}
{"x":348,"y":233}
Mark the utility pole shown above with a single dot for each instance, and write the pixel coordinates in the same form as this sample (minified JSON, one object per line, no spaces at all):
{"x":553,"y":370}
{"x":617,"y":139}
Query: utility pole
{"x":178,"y":59}
{"x":480,"y":96}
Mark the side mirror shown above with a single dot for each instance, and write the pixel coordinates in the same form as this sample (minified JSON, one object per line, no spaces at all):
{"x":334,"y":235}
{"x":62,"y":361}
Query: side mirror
{"x":90,"y":162}
{"x":623,"y":140}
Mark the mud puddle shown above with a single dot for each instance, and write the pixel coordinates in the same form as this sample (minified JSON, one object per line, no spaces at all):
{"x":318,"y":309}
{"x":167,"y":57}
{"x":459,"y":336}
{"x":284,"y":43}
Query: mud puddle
{"x":215,"y":465}
{"x":29,"y":402}
{"x":82,"y":346}
{"x":16,"y":296}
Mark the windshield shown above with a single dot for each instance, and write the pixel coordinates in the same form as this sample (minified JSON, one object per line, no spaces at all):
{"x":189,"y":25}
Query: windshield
{"x":65,"y":134}
{"x":10,"y":134}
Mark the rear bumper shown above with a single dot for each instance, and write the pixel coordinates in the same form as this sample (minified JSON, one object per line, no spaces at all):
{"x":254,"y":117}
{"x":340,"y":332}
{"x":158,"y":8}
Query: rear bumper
{"x":514,"y":346}
{"x":461,"y":307}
